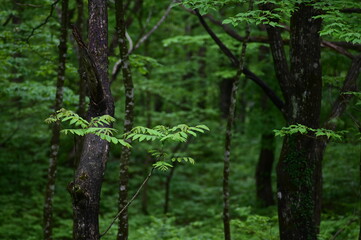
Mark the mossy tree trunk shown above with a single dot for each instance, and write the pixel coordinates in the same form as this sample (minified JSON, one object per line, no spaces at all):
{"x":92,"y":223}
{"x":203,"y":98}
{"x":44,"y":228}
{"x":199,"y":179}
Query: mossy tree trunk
{"x":301,"y":85}
{"x":86,"y":186}
{"x":50,"y":186}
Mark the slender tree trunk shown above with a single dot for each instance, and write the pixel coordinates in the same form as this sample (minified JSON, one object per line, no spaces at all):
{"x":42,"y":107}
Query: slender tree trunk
{"x":148,"y":160}
{"x":168,"y":181}
{"x":264,"y":170}
{"x":82,"y":74}
{"x":82,"y":82}
{"x":128,"y":119}
{"x":228,"y":137}
{"x":50,"y":186}
{"x":86,"y":187}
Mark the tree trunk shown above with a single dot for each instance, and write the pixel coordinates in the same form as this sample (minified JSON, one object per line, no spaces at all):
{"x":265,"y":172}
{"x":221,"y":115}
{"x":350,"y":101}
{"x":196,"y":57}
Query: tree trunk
{"x":228,"y":135}
{"x":128,"y":120}
{"x":264,"y":171}
{"x":50,"y":186}
{"x":82,"y":83}
{"x":86,"y":187}
{"x":297,"y":165}
{"x":167,"y":188}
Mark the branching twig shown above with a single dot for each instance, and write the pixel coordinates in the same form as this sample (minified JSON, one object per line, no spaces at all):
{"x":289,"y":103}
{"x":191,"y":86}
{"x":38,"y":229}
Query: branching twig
{"x":118,"y":64}
{"x":52,"y":6}
{"x":343,"y":229}
{"x":129,"y":202}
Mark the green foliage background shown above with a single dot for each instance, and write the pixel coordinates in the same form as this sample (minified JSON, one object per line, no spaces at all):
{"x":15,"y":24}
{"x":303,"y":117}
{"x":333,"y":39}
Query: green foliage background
{"x":177,"y":75}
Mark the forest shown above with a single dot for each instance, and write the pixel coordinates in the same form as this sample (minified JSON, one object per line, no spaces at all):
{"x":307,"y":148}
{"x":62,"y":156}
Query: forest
{"x":180,"y":119}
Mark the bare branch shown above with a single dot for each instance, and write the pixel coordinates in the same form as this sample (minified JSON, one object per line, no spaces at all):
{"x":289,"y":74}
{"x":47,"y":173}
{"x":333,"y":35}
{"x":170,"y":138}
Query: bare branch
{"x":268,"y":91}
{"x":336,"y":46}
{"x":118,"y":64}
{"x":350,"y":85}
{"x":129,"y":202}
{"x":52,"y":6}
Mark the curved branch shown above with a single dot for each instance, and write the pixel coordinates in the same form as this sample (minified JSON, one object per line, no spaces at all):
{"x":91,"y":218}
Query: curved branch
{"x":267,"y":90}
{"x":52,"y":6}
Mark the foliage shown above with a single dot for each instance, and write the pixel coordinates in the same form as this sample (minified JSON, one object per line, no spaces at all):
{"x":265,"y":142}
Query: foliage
{"x":179,"y":133}
{"x":100,"y":127}
{"x":302,"y":129}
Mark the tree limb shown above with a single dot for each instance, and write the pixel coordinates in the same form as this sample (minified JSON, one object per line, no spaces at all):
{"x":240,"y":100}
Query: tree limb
{"x":118,"y":64}
{"x":129,"y":202}
{"x":349,"y":85}
{"x":52,"y":6}
{"x":336,"y":46}
{"x":268,"y":91}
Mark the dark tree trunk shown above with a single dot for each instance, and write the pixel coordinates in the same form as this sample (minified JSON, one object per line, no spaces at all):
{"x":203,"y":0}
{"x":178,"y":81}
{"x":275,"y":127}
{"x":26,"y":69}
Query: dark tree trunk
{"x":82,"y":82}
{"x":128,"y":120}
{"x":225,"y":88}
{"x":86,"y":187}
{"x":82,"y":74}
{"x":50,"y":186}
{"x":297,"y":165}
{"x":264,"y":171}
{"x":167,"y":188}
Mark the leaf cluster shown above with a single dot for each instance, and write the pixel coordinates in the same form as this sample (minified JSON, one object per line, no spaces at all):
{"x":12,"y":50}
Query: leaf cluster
{"x":302,"y":129}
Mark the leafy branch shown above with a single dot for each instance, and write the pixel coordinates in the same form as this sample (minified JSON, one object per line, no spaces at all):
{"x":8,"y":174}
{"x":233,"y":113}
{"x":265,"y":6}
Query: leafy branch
{"x":100,"y":127}
{"x":302,"y":129}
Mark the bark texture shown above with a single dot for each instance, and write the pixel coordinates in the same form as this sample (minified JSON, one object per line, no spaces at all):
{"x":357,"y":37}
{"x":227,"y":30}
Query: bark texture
{"x":86,"y":187}
{"x":128,"y":119}
{"x":50,"y":186}
{"x":297,"y":165}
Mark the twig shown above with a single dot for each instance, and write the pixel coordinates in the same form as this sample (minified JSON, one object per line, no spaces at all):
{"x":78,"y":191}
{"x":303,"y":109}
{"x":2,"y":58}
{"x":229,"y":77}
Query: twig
{"x":161,"y":20}
{"x":52,"y":6}
{"x":118,"y":64}
{"x":342,"y":229}
{"x":129,"y":202}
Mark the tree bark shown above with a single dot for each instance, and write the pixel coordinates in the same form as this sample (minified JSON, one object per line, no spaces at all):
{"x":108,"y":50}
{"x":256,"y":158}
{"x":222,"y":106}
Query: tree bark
{"x":50,"y":186}
{"x":86,"y":186}
{"x":128,"y":119}
{"x":297,"y":165}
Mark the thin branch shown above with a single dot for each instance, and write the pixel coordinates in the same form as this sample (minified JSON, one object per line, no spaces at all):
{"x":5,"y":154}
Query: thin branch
{"x":129,"y":202}
{"x":29,"y":5}
{"x":343,"y":228}
{"x":268,"y":91}
{"x":349,"y":85}
{"x":161,"y":20}
{"x":52,"y":6}
{"x":118,"y":64}
{"x":351,"y":10}
{"x":336,"y":46}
